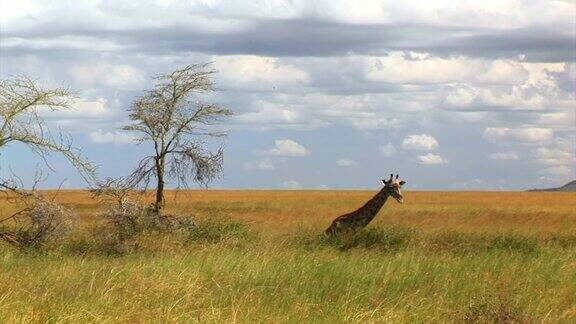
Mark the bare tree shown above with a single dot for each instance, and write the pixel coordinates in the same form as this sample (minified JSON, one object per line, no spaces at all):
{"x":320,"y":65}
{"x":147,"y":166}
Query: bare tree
{"x":171,"y":117}
{"x":21,"y":102}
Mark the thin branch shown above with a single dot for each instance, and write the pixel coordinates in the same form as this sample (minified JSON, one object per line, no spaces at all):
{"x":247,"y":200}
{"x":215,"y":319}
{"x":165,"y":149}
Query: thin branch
{"x":21,"y":101}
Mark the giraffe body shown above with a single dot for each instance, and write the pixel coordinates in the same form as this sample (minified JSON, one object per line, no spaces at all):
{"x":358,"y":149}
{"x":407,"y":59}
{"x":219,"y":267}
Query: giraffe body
{"x":365,"y":214}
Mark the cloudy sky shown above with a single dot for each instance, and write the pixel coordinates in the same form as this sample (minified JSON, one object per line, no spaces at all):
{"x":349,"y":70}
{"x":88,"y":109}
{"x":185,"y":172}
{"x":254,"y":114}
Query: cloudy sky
{"x":327,"y":94}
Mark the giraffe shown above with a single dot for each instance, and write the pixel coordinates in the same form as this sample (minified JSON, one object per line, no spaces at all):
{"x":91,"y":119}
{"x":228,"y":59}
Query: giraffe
{"x":365,"y":214}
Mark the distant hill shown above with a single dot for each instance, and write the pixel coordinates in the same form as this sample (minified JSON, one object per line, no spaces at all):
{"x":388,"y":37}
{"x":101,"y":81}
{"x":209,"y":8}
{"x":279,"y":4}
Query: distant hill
{"x":570,"y":186}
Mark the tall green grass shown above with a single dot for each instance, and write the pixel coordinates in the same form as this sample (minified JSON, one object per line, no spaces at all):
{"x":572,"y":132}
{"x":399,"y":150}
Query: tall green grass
{"x":217,"y":284}
{"x":221,"y":271}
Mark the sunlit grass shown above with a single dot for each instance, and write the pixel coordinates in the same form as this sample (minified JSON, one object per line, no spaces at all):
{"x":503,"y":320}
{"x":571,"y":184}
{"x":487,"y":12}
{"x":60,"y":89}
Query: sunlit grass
{"x":260,"y":257}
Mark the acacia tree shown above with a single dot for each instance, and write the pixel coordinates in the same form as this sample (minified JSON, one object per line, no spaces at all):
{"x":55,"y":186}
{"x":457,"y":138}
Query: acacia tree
{"x":21,"y":104}
{"x":21,"y":101}
{"x":179,"y":125}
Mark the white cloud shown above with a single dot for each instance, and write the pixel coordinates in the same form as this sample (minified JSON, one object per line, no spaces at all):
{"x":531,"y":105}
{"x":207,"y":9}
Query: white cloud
{"x":387,"y":149}
{"x":117,"y":76}
{"x":503,"y":98}
{"x":13,"y":10}
{"x":432,"y":159}
{"x":80,"y":109}
{"x":267,"y":114}
{"x":116,"y":138}
{"x":515,"y":86}
{"x":560,"y":120}
{"x":462,"y":96}
{"x":504,"y":72}
{"x":515,"y":98}
{"x":264,"y":164}
{"x":247,"y":71}
{"x":504,"y":156}
{"x":313,"y":110}
{"x":285,"y":147}
{"x":501,"y":15}
{"x":559,"y":159}
{"x":84,"y":108}
{"x":559,"y":173}
{"x":396,"y":68}
{"x":270,"y":114}
{"x":421,"y":68}
{"x":374,"y":123}
{"x":291,"y":184}
{"x":554,"y":156}
{"x":346,"y":163}
{"x":526,"y":134}
{"x":492,"y":13}
{"x":421,"y":142}
{"x":368,"y":11}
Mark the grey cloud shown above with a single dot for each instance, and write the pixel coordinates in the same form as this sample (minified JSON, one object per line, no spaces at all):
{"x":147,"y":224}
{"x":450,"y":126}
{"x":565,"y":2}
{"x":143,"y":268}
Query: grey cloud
{"x":300,"y":37}
{"x":536,"y":45}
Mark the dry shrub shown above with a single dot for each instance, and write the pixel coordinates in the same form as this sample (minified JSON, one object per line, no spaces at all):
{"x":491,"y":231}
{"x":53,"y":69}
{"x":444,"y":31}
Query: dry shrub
{"x":129,"y":228}
{"x":129,"y":218}
{"x":40,"y":223}
{"x":126,"y":218}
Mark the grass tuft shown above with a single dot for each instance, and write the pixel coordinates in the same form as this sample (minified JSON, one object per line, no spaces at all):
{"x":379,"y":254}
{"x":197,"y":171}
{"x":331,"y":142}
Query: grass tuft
{"x":220,"y":231}
{"x":495,"y":310}
{"x":466,"y":243}
{"x":383,"y":239}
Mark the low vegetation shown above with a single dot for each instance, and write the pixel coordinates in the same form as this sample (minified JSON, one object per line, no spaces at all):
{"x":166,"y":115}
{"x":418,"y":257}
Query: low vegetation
{"x":260,"y":256}
{"x":38,"y":222}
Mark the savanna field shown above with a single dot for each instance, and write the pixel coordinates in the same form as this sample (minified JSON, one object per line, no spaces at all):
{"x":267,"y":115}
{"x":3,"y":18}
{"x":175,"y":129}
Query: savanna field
{"x":258,"y":256}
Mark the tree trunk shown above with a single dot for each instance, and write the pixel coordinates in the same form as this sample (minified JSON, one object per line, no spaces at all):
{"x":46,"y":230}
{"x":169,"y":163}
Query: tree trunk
{"x":160,"y":185}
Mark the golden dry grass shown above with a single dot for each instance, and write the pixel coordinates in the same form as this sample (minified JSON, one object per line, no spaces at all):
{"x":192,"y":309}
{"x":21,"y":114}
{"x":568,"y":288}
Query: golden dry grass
{"x":439,"y":257}
{"x":277,"y":211}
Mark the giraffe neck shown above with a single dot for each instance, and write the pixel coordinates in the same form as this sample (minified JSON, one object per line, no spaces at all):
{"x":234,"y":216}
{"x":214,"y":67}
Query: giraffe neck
{"x":373,"y":206}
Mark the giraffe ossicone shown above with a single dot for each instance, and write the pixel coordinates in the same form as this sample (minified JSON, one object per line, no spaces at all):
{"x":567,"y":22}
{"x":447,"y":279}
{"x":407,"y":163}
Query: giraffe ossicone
{"x":365,"y":214}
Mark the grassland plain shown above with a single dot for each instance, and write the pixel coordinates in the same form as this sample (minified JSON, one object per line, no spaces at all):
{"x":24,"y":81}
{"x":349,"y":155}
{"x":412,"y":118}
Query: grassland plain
{"x":256,"y":256}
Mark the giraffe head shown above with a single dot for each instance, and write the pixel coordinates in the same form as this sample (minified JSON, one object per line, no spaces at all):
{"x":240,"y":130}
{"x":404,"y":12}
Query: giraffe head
{"x":393,"y":187}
